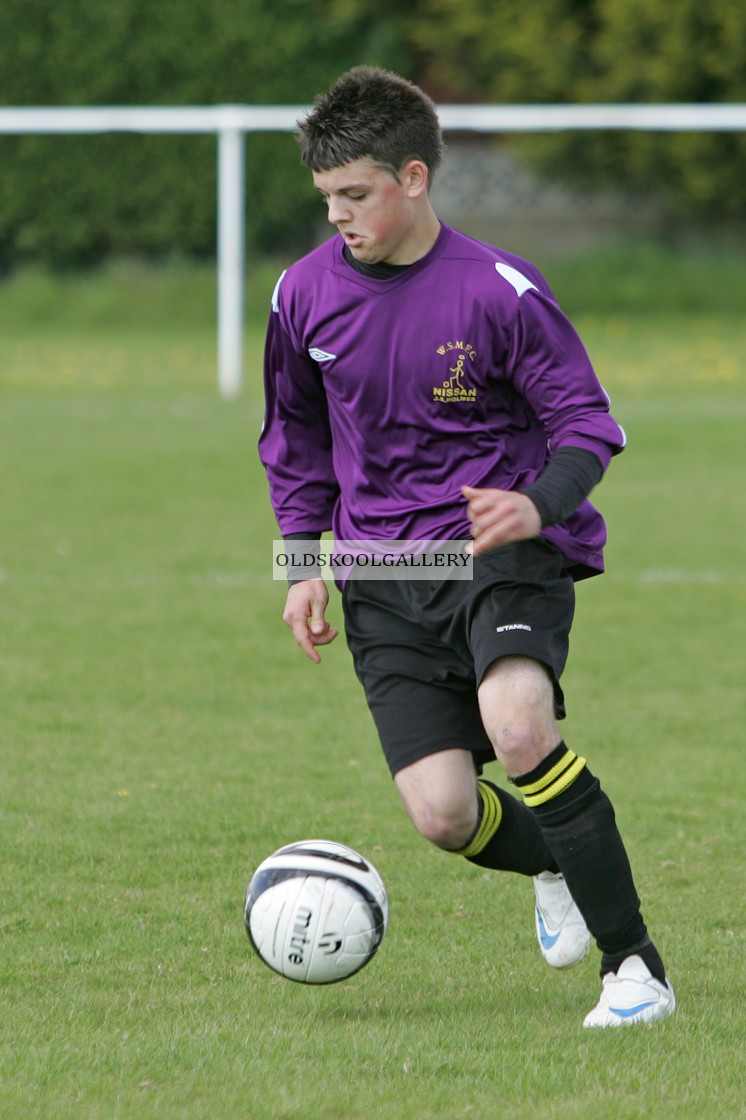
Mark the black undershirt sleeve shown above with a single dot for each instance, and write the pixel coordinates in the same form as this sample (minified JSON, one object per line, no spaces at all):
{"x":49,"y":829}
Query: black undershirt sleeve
{"x":313,"y":571}
{"x":566,"y":481}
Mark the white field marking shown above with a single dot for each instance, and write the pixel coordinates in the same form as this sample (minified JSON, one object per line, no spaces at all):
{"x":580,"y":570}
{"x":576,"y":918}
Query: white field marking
{"x":240,"y":579}
{"x":135,"y":579}
{"x":194,"y":408}
{"x":681,"y":575}
{"x":224,"y":579}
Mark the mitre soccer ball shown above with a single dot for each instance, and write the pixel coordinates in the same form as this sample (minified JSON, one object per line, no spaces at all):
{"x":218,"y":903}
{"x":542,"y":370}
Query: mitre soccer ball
{"x":316,"y":911}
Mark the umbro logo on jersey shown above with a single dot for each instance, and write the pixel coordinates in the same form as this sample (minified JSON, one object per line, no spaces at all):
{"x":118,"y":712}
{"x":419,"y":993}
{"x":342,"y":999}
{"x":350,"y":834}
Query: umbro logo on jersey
{"x":321,"y":355}
{"x":512,"y":626}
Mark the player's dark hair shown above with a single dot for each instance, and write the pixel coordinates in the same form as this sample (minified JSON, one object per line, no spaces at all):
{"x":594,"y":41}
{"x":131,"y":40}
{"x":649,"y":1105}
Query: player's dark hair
{"x":374,"y":114}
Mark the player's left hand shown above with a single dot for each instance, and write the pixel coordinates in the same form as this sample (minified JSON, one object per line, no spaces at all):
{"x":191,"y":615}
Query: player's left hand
{"x":499,"y":517}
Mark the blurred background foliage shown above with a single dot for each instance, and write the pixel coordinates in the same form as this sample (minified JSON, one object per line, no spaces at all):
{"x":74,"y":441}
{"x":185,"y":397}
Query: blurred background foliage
{"x":604,"y":51}
{"x":69,"y":201}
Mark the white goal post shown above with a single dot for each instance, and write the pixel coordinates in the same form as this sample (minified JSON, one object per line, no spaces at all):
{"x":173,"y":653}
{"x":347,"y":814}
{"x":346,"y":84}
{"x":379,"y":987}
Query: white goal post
{"x":230,"y":123}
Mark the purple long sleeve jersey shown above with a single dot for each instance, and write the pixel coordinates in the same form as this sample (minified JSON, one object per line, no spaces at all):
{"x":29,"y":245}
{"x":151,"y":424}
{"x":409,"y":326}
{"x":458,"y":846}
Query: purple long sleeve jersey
{"x":385,"y":396}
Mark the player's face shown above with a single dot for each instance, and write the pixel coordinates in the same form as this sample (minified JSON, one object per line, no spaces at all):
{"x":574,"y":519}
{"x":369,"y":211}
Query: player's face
{"x":375,"y":213}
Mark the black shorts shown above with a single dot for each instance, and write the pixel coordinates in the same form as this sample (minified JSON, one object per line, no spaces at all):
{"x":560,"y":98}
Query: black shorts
{"x":421,"y":647}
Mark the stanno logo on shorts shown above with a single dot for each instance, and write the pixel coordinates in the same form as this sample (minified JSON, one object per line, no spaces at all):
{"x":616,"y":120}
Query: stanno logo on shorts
{"x":512,"y":626}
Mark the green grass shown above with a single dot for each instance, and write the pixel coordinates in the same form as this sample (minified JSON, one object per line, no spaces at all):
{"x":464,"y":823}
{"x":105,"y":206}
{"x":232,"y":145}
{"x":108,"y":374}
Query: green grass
{"x":160,"y":734}
{"x":647,"y":278}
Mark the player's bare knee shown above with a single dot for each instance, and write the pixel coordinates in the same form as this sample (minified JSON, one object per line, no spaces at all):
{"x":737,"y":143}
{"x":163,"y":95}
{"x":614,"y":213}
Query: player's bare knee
{"x":516,"y":701}
{"x":448,"y":828}
{"x":520,"y":745}
{"x":439,"y":793}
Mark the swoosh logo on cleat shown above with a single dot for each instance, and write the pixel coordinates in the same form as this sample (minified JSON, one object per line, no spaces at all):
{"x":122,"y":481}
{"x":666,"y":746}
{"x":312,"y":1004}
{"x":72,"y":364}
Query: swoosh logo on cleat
{"x":628,"y":1012}
{"x":547,"y":939}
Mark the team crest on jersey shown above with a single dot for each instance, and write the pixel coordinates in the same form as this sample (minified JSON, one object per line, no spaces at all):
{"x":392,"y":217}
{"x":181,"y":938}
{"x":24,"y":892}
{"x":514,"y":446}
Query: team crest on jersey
{"x":459,"y":355}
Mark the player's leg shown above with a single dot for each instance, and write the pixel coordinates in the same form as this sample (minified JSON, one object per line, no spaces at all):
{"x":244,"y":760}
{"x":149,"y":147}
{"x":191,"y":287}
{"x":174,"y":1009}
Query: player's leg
{"x":439,"y":792}
{"x":576,"y":818}
{"x":446,"y":802}
{"x":577,"y":821}
{"x":422,"y":696}
{"x":489,"y":827}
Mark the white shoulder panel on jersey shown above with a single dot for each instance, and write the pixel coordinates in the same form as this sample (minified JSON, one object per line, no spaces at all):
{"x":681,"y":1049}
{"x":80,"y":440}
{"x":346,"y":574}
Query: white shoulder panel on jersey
{"x":619,"y":426}
{"x":520,"y":282}
{"x":276,"y":293}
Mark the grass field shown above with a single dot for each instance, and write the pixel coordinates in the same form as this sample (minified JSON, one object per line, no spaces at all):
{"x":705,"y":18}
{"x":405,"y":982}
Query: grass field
{"x":160,"y":734}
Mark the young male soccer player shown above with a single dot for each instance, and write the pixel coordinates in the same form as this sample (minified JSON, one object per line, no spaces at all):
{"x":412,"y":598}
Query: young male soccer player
{"x":421,"y":385}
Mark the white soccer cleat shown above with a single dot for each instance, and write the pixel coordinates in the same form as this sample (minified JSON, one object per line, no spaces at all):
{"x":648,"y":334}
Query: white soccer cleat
{"x":561,"y":931}
{"x":631,"y":995}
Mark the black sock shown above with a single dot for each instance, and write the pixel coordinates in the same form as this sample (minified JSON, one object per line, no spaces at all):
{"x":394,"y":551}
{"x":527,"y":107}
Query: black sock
{"x":646,"y":950}
{"x":578,"y":824}
{"x":507,"y":836}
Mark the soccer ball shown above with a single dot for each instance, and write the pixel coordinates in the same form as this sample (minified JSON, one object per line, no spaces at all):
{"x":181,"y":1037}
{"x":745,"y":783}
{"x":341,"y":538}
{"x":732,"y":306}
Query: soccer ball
{"x":316,"y":911}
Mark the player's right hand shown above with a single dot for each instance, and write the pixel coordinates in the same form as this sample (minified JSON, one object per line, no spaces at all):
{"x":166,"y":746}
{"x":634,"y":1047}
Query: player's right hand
{"x":304,"y":614}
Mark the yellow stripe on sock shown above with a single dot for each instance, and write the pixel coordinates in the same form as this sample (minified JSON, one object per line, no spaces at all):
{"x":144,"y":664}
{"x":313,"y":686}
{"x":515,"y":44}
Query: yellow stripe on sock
{"x":559,"y":768}
{"x":565,"y":779}
{"x":492,"y":813}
